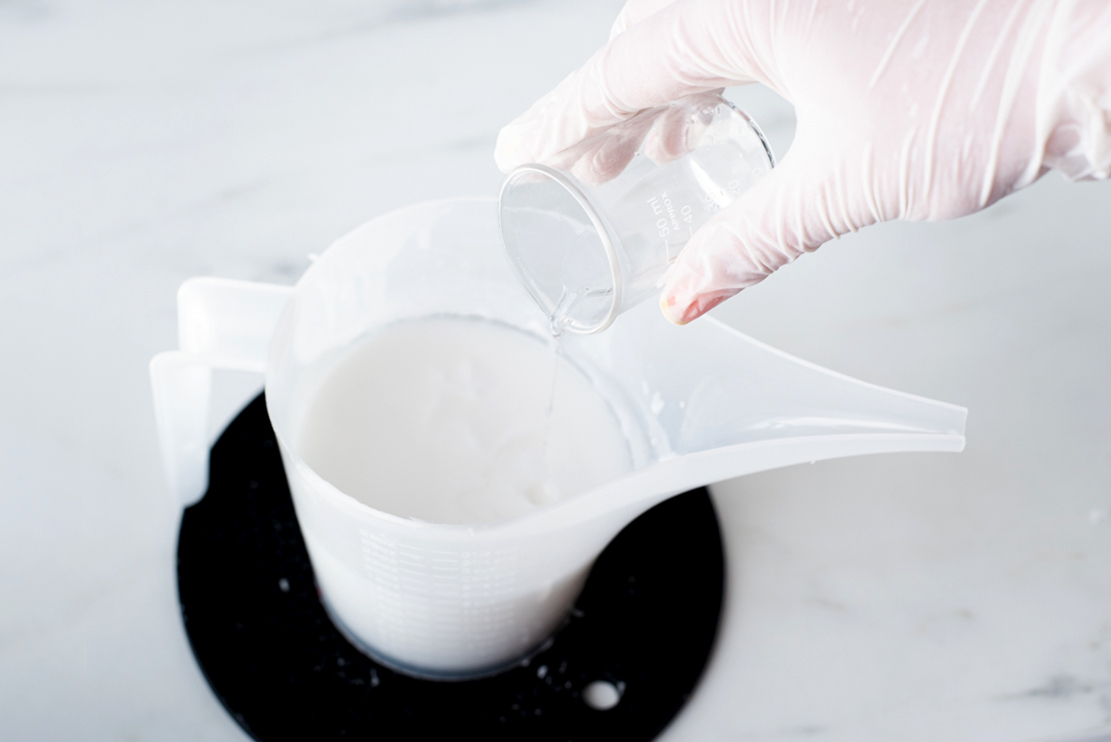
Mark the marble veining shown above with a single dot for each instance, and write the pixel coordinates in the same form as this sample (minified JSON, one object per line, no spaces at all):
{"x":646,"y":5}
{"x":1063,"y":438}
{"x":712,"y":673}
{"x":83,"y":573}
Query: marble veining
{"x":914,"y":597}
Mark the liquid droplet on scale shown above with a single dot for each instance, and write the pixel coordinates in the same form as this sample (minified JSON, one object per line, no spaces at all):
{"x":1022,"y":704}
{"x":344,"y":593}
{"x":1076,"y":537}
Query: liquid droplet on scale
{"x":602,"y":695}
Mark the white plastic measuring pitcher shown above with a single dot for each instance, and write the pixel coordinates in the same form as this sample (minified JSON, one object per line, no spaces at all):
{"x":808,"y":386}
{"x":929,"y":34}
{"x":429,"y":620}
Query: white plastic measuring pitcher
{"x":698,"y":404}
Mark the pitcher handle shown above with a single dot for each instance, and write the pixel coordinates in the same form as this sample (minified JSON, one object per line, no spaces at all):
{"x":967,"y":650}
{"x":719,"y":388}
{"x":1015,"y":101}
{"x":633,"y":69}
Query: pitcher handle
{"x":222,"y":324}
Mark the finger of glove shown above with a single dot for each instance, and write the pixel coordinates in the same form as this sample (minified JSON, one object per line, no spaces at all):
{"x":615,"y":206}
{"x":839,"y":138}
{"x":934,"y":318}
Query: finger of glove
{"x":634,"y":12}
{"x":793,"y":210}
{"x":678,"y":51}
{"x":604,"y":156}
{"x":664,"y":133}
{"x":677,"y":132}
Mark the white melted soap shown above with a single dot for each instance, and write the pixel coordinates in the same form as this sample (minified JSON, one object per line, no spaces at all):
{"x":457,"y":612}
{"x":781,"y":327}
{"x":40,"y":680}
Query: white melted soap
{"x":454,"y":421}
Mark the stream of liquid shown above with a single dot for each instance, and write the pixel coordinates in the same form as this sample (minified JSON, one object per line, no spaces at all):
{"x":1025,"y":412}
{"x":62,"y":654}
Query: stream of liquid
{"x":456,"y":421}
{"x":557,"y":334}
{"x":557,"y":321}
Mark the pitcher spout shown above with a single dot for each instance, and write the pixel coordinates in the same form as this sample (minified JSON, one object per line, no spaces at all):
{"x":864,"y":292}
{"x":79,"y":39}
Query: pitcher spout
{"x":706,"y":403}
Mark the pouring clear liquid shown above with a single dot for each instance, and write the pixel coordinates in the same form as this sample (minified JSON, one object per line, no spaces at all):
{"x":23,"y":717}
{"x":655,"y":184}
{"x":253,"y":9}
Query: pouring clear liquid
{"x":682,"y":406}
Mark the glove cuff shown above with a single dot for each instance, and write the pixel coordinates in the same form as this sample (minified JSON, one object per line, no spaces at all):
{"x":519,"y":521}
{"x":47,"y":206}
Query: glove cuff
{"x":1073,"y":126}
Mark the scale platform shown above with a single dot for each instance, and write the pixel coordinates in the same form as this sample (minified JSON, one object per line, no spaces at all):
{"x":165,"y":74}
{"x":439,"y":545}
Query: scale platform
{"x":644,"y":625}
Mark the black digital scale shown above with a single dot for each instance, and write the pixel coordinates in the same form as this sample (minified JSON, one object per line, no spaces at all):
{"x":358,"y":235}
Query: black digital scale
{"x":644,"y":624}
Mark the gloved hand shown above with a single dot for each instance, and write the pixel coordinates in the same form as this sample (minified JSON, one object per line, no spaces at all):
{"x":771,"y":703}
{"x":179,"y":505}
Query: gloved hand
{"x":907,"y":109}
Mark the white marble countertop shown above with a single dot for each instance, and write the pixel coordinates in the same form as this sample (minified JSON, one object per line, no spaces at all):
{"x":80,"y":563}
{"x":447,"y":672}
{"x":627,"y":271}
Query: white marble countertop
{"x":913,"y":597}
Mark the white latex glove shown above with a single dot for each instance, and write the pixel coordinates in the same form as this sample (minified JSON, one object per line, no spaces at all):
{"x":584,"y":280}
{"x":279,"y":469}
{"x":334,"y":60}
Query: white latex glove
{"x":907,"y":109}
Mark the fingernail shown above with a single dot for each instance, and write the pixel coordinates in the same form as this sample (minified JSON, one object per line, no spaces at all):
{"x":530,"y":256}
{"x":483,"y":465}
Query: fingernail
{"x":671,"y":311}
{"x":681,"y":312}
{"x":670,"y":282}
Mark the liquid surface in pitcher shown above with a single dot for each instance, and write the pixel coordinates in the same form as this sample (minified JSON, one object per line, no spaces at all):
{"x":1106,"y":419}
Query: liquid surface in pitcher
{"x":454,"y":421}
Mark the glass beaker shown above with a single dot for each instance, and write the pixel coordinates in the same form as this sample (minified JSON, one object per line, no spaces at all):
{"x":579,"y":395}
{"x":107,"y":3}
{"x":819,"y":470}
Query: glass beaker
{"x":592,"y":236}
